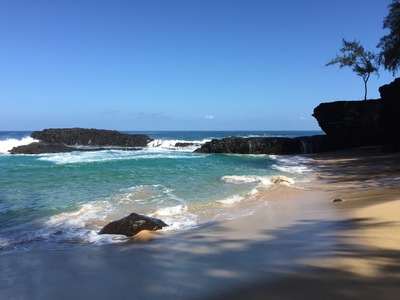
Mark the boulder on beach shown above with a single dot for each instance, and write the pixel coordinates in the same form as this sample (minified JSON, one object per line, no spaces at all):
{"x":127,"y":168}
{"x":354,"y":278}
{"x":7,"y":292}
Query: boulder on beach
{"x":132,"y":224}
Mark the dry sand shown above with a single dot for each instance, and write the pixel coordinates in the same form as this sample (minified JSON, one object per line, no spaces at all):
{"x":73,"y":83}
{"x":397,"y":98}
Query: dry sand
{"x":302,"y":245}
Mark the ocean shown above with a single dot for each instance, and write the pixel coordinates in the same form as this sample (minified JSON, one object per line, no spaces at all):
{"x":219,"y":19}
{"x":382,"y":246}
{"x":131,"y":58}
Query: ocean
{"x":61,"y":201}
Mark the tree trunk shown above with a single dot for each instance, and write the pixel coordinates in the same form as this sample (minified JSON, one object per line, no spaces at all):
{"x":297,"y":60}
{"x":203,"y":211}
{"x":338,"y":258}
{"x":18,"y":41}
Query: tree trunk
{"x":366,"y":90}
{"x":365,"y":86}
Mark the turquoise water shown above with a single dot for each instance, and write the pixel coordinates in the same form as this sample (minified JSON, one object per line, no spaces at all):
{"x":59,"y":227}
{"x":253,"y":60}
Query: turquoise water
{"x":59,"y":201}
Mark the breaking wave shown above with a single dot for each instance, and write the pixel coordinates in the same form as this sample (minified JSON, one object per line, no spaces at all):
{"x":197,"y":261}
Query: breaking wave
{"x":8,"y":144}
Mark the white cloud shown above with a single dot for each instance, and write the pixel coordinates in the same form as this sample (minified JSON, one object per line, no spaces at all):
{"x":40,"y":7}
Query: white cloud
{"x":209,"y":117}
{"x":304,"y":119}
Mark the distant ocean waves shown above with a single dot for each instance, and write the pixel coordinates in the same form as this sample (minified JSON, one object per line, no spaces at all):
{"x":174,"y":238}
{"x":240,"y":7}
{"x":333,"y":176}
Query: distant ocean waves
{"x":60,"y":201}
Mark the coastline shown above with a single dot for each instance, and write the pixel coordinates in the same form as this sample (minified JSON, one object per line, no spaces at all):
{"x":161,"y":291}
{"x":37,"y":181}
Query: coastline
{"x":301,"y":244}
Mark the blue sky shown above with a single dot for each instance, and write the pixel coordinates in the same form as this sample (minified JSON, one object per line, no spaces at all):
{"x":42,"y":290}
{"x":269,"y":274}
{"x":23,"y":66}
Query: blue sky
{"x":179,"y":64}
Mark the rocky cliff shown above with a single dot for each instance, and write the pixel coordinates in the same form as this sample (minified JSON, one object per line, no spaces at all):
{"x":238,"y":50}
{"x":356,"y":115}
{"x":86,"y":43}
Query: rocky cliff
{"x":347,"y":124}
{"x":390,"y":114}
{"x":350,"y":119}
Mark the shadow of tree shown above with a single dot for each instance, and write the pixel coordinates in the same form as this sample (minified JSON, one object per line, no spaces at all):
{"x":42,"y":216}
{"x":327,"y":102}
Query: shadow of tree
{"x":207,"y":263}
{"x":199,"y":265}
{"x":362,"y":168}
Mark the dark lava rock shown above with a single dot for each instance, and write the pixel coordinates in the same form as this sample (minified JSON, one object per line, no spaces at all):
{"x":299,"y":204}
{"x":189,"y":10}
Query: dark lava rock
{"x":351,"y":119}
{"x":41,"y":148}
{"x":44,"y":148}
{"x":91,"y":137}
{"x":276,"y":145}
{"x":261,"y":145}
{"x":132,"y":224}
{"x":184,"y":144}
{"x":390,"y":113}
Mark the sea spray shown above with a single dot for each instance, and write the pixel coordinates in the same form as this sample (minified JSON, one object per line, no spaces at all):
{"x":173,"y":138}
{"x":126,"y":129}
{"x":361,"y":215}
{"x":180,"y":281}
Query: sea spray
{"x":9,"y":143}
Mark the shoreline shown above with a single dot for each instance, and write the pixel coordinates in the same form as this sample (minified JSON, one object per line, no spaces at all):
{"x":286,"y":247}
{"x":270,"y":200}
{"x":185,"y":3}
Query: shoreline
{"x":301,"y":244}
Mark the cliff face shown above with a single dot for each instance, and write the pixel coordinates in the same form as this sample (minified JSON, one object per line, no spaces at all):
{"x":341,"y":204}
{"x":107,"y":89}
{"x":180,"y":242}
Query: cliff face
{"x":347,"y":124}
{"x":358,"y":120}
{"x":371,"y":122}
{"x":390,"y":112}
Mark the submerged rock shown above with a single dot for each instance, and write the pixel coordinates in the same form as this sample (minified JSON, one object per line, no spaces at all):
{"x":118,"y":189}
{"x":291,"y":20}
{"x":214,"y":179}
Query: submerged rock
{"x":132,"y":224}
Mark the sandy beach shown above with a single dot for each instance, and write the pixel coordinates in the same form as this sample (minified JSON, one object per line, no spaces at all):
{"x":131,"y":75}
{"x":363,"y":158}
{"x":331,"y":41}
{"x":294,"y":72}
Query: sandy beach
{"x":301,"y":245}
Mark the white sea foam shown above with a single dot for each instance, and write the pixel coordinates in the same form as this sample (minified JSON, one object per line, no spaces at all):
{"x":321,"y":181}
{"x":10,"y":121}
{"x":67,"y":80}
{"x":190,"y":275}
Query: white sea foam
{"x":4,"y":242}
{"x":169,"y":145}
{"x":231,"y":200}
{"x":263,"y":180}
{"x":7,"y":145}
{"x":292,"y":164}
{"x":112,"y":155}
{"x":145,"y":194}
{"x":80,"y":226}
{"x":177,"y":217}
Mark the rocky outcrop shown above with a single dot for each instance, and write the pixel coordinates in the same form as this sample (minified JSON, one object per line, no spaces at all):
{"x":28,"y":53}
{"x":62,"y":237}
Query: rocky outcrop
{"x":45,"y":148}
{"x":91,"y":137}
{"x":362,"y":123}
{"x":278,"y":146}
{"x":359,"y":119}
{"x":350,"y":124}
{"x":254,"y":145}
{"x":390,"y":113}
{"x":66,"y":140}
{"x":347,"y":124}
{"x":132,"y":225}
{"x":41,"y":148}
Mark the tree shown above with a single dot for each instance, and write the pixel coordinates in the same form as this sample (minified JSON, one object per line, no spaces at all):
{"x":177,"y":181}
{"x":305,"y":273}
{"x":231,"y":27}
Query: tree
{"x":389,"y":56}
{"x":362,"y":62}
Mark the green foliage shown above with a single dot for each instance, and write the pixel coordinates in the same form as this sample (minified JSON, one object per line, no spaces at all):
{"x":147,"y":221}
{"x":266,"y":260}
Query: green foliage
{"x":362,"y":62}
{"x":389,"y":56}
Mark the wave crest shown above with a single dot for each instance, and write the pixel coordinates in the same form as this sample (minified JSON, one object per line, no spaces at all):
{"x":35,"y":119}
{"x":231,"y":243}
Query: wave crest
{"x":264,"y":180}
{"x":8,"y":144}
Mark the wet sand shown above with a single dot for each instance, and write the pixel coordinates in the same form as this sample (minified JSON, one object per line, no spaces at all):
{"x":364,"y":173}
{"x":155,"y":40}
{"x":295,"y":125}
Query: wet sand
{"x":300,"y":245}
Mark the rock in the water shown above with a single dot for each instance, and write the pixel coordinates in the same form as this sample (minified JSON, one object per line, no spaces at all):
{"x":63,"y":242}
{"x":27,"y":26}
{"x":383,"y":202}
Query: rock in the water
{"x":184,"y":144}
{"x":261,"y":145}
{"x":132,"y":224}
{"x":41,"y":148}
{"x":91,"y":137}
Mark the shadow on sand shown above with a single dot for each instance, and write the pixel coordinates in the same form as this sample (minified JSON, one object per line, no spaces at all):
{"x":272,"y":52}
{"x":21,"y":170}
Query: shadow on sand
{"x":207,"y":263}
